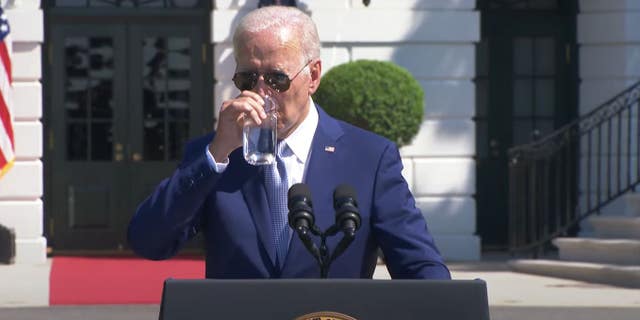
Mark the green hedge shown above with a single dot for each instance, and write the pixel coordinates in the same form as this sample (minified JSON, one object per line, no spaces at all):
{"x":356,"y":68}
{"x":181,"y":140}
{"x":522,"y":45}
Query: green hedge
{"x":374,"y":95}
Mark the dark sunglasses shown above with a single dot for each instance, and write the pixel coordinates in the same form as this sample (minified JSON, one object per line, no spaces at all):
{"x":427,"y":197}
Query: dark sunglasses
{"x":277,"y":80}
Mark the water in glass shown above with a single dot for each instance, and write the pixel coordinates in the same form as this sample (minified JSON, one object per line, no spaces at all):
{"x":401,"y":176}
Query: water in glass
{"x":259,"y":142}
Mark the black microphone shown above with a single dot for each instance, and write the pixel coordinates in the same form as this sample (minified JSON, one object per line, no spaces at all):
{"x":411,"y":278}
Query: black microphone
{"x":301,"y":216}
{"x":347,"y":217}
{"x":300,"y":211}
{"x":346,"y":206}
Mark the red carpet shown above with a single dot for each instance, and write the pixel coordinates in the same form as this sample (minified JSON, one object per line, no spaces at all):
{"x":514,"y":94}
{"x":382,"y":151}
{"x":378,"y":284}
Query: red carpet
{"x":120,"y":280}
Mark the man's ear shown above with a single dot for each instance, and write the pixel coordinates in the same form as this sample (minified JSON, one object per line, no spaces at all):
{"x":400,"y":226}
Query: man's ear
{"x":315,"y":69}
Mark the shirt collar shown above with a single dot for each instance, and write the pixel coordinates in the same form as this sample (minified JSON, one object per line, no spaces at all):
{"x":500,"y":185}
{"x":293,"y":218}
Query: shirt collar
{"x":300,"y":140}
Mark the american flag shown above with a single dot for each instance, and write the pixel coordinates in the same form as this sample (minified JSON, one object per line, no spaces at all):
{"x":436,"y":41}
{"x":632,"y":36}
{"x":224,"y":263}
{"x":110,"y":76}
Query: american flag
{"x":7,"y":146}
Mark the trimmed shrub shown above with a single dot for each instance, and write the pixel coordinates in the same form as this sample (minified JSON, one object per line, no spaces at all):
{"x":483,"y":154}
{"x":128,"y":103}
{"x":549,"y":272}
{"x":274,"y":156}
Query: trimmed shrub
{"x":374,"y":95}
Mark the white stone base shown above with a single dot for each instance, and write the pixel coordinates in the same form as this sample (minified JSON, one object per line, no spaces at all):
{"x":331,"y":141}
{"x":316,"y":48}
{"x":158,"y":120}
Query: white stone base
{"x":449,"y":215}
{"x":31,"y":251}
{"x":458,"y":248}
{"x":24,"y":285}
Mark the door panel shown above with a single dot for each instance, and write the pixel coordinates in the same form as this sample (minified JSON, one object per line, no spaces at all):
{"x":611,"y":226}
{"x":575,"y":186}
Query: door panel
{"x":87,"y":90}
{"x":525,"y":91}
{"x":162,"y":86}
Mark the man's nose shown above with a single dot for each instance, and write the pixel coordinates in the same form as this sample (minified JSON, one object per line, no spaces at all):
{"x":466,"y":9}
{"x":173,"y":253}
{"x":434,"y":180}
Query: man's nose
{"x":261,"y":88}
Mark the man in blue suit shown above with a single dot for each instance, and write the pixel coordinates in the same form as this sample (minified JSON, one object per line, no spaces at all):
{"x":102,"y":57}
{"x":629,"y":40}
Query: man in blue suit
{"x":215,"y":191}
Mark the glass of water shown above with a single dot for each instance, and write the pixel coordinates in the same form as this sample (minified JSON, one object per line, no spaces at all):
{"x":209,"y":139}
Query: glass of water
{"x":259,"y":141}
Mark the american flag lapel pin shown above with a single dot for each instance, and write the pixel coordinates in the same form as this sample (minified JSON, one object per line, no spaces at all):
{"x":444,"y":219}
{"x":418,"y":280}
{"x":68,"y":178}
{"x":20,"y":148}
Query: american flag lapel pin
{"x":329,"y":148}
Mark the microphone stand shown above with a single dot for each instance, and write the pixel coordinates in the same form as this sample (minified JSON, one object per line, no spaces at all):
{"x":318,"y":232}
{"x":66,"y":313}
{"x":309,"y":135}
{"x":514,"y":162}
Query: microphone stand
{"x":324,"y":257}
{"x":302,"y":220}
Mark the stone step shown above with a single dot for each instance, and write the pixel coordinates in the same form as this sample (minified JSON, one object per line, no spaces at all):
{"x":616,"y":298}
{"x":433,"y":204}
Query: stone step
{"x":618,"y":227}
{"x":622,"y":276}
{"x":608,"y":251}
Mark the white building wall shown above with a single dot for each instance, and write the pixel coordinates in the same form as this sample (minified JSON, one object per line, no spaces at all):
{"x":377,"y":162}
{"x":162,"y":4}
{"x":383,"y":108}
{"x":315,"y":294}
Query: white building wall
{"x":609,"y":44}
{"x":609,"y":51}
{"x":22,"y":187}
{"x":435,"y":41}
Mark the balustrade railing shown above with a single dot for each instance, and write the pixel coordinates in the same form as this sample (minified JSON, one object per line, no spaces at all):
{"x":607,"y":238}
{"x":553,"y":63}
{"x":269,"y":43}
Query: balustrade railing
{"x":572,"y":173}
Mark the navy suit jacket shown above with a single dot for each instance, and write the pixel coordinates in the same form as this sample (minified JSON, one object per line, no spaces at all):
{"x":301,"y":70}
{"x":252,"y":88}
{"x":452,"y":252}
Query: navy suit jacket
{"x":231,"y":209}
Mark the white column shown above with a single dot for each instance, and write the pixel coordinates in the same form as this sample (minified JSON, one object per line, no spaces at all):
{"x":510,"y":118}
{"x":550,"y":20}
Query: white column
{"x":26,"y":282}
{"x":609,"y":44}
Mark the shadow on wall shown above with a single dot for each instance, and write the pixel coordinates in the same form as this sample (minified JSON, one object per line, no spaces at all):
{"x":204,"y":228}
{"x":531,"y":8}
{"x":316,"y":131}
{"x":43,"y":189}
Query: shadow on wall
{"x":446,"y":70}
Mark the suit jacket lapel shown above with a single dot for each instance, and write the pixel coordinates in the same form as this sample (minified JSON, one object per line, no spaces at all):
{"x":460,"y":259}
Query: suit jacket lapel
{"x":323,"y":150}
{"x":320,"y":163}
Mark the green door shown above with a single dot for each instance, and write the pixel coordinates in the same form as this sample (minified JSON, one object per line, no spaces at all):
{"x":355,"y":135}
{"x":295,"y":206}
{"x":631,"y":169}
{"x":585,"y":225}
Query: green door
{"x":87,"y":124}
{"x":167,"y":108}
{"x":124,"y":99}
{"x":526,"y":88}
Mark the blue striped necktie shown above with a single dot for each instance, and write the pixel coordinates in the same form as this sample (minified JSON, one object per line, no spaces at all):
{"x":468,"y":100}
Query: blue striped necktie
{"x":277,"y":188}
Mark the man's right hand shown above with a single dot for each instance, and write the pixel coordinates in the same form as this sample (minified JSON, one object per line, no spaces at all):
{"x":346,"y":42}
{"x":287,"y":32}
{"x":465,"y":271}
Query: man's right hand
{"x":233,"y":114}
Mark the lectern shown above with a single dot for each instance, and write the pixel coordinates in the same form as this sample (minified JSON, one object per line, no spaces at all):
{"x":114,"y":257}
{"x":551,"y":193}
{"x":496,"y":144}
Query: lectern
{"x":306,"y":299}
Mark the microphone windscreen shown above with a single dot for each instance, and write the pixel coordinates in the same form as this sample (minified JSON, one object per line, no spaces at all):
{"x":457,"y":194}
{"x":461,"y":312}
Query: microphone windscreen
{"x":343,"y":192}
{"x":297,"y":192}
{"x":299,"y":189}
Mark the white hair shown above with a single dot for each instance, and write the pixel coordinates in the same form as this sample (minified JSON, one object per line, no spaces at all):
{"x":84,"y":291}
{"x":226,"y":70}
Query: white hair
{"x":284,"y":18}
